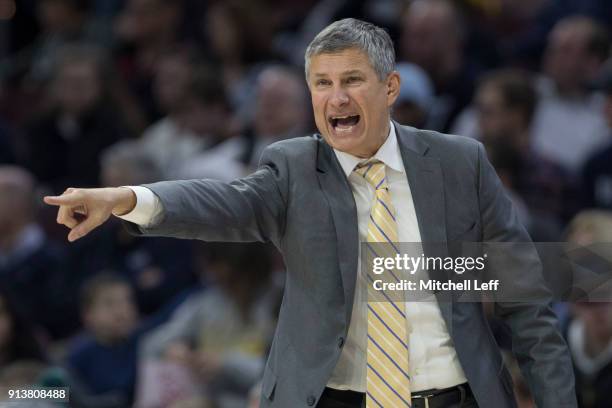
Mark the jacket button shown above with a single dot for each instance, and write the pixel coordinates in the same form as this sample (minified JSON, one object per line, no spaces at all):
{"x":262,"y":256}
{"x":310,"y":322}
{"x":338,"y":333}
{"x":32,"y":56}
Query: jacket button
{"x":340,"y":342}
{"x":311,"y":400}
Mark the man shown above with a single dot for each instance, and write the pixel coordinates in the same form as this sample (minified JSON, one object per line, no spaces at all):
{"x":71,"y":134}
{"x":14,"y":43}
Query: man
{"x":568,"y":124}
{"x":30,"y":263}
{"x":433,"y":36}
{"x":597,"y":172}
{"x":197,"y":112}
{"x":311,"y":197}
{"x":63,"y":144}
{"x":505,"y":103}
{"x":281,"y":112}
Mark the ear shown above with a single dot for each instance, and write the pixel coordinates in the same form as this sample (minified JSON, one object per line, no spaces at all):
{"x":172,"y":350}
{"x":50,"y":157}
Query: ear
{"x":393,"y":87}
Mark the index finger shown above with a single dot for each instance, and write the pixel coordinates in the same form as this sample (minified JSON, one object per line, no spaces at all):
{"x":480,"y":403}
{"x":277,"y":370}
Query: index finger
{"x":61,"y":200}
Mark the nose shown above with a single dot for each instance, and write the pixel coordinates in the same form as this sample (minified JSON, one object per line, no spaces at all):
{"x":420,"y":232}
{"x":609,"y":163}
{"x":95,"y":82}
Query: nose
{"x":339,"y":98}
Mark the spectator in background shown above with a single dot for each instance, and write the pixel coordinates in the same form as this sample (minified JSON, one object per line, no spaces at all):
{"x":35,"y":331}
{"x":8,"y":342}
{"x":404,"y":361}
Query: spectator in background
{"x":281,"y":112}
{"x":219,"y":335}
{"x":433,"y":38}
{"x":18,"y":341}
{"x":238,"y":34}
{"x":597,"y":172}
{"x":104,"y":357}
{"x":158,"y":269}
{"x":62,"y":22}
{"x":64,"y":143}
{"x":198,"y":115}
{"x":145,"y":29}
{"x":505,"y":105}
{"x":525,"y":45}
{"x":416,"y":96}
{"x":30,"y":265}
{"x":569,"y":124}
{"x":589,"y":334}
{"x":23,"y":362}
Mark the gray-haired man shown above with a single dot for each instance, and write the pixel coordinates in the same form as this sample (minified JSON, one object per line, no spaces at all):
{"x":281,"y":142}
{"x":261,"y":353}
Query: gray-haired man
{"x":365,"y":178}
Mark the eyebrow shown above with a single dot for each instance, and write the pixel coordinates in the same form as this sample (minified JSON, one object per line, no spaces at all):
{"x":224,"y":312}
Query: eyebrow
{"x":353,"y":72}
{"x":345,"y":73}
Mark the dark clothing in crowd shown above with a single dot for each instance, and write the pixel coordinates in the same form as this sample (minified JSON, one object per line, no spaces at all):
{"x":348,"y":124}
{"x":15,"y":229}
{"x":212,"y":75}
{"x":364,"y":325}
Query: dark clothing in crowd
{"x":7,"y":152}
{"x":453,"y":96}
{"x":158,"y":269}
{"x":30,"y":273}
{"x":594,"y":392}
{"x":544,"y":186}
{"x":597,"y":180}
{"x":106,"y":369}
{"x":64,"y":152}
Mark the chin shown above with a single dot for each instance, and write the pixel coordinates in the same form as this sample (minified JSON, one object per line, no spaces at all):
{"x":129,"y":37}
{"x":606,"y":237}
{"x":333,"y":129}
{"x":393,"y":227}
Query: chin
{"x":353,"y":145}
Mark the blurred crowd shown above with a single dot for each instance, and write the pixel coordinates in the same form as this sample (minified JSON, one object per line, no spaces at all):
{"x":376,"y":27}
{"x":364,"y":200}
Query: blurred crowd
{"x":125,"y":92}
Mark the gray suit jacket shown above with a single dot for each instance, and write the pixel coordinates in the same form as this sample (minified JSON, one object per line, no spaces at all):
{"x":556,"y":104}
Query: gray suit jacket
{"x":300,"y":200}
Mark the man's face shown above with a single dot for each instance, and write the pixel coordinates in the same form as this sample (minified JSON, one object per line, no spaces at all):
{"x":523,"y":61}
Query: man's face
{"x":281,"y":105}
{"x":172,"y":76}
{"x":351,"y":104}
{"x":77,"y":86}
{"x":566,"y":59}
{"x":428,"y":36}
{"x":495,"y":119}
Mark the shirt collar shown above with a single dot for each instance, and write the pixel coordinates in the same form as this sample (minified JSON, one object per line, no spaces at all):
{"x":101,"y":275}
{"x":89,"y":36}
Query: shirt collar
{"x":388,"y":153}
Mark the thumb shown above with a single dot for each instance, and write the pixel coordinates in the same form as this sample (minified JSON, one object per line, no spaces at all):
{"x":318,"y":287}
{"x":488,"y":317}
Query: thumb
{"x":66,"y":199}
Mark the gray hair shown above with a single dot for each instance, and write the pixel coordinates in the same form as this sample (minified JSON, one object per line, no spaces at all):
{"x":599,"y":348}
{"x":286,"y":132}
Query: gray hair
{"x":352,"y":33}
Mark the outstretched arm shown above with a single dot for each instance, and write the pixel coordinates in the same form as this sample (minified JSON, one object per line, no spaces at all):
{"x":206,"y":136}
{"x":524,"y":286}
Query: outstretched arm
{"x":248,"y":209}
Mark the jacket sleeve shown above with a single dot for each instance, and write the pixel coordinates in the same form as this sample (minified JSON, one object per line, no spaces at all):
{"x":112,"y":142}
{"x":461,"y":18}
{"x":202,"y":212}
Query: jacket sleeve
{"x":249,"y":209}
{"x":525,"y":301}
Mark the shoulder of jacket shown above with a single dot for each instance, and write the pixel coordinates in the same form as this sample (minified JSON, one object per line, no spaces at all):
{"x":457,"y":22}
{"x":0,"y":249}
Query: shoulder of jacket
{"x":297,"y":146}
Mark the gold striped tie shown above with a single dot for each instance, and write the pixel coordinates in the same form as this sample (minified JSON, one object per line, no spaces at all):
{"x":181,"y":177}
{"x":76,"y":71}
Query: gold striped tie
{"x":388,"y":382}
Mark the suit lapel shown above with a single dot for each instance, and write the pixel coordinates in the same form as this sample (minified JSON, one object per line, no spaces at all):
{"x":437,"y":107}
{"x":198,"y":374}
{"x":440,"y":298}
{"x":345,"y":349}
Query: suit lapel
{"x":339,"y":195}
{"x":426,"y":182}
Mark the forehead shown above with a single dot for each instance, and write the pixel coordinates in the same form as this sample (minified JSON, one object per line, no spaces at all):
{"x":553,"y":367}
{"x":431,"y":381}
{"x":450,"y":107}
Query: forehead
{"x":570,"y":34}
{"x":341,"y":62}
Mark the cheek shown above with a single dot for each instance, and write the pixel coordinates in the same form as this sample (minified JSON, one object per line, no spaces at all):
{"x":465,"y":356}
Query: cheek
{"x":373,"y":104}
{"x":318,"y":108}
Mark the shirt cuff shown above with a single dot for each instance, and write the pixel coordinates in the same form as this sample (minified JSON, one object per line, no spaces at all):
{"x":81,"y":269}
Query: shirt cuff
{"x":147,"y":210}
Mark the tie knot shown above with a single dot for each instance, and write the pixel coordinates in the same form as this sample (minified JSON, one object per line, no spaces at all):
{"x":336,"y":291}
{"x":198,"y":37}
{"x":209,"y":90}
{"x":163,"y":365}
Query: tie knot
{"x":374,"y":173}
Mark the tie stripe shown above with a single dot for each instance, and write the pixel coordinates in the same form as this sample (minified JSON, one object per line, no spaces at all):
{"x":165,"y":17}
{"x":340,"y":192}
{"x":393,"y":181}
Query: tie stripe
{"x":388,"y":381}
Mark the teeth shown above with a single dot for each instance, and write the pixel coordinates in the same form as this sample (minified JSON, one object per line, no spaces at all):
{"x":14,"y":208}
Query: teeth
{"x":344,"y":129}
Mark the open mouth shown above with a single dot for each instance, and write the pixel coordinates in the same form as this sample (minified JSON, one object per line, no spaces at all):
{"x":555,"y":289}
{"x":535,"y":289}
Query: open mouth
{"x":344,"y":123}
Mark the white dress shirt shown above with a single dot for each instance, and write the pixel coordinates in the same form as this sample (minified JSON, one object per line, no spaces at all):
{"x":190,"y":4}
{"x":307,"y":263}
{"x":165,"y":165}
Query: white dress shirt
{"x":433,"y":361}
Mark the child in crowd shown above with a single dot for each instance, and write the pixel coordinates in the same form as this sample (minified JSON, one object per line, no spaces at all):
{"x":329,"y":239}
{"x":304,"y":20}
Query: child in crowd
{"x":215,"y":343}
{"x":104,"y":358}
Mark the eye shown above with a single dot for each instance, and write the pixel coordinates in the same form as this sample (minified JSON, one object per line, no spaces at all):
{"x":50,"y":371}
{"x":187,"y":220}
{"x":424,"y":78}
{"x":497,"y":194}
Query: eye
{"x":353,"y":80}
{"x":322,"y":82}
